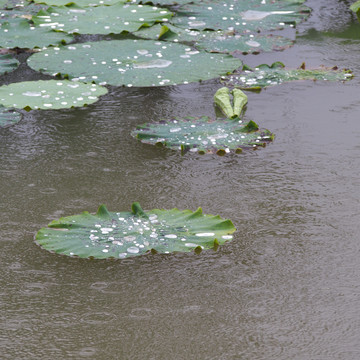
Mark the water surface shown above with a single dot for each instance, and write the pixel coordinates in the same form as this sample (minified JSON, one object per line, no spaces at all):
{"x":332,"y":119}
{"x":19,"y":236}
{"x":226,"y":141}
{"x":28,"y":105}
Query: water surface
{"x":286,"y":287}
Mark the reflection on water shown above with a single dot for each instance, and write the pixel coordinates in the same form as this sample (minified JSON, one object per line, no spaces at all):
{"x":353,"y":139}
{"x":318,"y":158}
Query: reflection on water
{"x":286,"y":287}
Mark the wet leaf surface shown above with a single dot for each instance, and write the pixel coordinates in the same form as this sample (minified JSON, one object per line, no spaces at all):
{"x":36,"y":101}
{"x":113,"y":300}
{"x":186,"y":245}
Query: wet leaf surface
{"x":204,"y":135}
{"x":7,"y":63}
{"x":133,"y":63}
{"x":242,"y":16}
{"x":126,"y":234}
{"x":49,"y":94}
{"x":276,"y":74}
{"x":8,"y":118}
{"x":101,"y":19}
{"x":217,"y":41}
{"x":19,"y":33}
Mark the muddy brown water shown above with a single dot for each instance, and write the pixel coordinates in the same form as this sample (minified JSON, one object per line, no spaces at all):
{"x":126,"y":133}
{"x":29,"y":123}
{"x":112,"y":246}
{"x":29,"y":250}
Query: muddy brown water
{"x":286,"y":287}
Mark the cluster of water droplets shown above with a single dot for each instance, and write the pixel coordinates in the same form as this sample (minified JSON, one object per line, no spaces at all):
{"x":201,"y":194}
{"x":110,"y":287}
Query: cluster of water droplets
{"x":203,"y":135}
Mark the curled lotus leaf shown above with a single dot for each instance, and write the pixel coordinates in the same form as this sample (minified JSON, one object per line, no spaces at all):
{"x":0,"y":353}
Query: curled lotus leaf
{"x":7,"y":63}
{"x":204,"y":135}
{"x":19,"y":33}
{"x":242,"y":16}
{"x":217,"y":41}
{"x":126,"y":234}
{"x":49,"y":94}
{"x":133,"y":63}
{"x":355,"y":7}
{"x":268,"y":75}
{"x":100,"y":19}
{"x":8,"y":117}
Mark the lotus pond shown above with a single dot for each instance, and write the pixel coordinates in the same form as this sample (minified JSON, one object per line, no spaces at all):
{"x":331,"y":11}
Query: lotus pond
{"x":254,"y":253}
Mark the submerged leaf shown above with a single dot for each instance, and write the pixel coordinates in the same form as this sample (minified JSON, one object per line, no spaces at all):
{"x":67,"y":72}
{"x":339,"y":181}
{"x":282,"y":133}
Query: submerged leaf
{"x":133,"y":63}
{"x":49,"y":94}
{"x":204,"y":135}
{"x":126,"y":234}
{"x":8,"y":117}
{"x":7,"y":63}
{"x":355,"y":7}
{"x":101,"y":19}
{"x":265,"y":75}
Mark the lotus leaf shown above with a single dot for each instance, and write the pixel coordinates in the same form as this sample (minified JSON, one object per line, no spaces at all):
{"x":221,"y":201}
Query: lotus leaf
{"x":80,"y":2}
{"x":7,"y":63}
{"x":101,"y":19}
{"x":355,"y":7}
{"x":265,"y":75}
{"x":216,"y":41}
{"x":8,"y":117}
{"x":126,"y":234}
{"x":242,"y":16}
{"x":133,"y":63}
{"x":19,"y":33}
{"x":204,"y":135}
{"x":164,"y":2}
{"x":49,"y":94}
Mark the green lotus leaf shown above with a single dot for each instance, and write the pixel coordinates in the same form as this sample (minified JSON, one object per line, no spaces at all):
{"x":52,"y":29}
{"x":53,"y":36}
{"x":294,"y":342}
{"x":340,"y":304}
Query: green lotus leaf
{"x":265,"y":75}
{"x":7,"y":63}
{"x":126,"y":234}
{"x":8,"y":117}
{"x":355,"y":7}
{"x":242,"y":16}
{"x":80,"y":2}
{"x":19,"y":33}
{"x":204,"y":135}
{"x":216,"y":41}
{"x":133,"y":63}
{"x":49,"y":94}
{"x":163,"y":2}
{"x":101,"y":19}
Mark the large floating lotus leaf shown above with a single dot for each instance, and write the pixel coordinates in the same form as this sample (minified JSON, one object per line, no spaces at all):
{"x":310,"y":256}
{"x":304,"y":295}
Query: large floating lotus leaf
{"x":242,"y":16}
{"x":7,"y":63}
{"x":133,"y":63}
{"x":356,"y":8}
{"x":8,"y":117}
{"x":49,"y":94}
{"x":265,"y":75}
{"x":204,"y":135}
{"x":19,"y":33}
{"x":101,"y":19}
{"x":80,"y":2}
{"x":125,"y":234}
{"x":216,"y":41}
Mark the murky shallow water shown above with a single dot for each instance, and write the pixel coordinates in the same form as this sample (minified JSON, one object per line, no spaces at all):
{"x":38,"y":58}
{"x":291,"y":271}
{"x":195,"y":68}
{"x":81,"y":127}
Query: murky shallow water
{"x":286,"y":287}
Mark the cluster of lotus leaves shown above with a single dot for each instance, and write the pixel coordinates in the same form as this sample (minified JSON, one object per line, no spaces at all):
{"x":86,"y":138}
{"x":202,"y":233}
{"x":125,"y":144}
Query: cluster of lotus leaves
{"x":269,"y":75}
{"x":49,"y":94}
{"x":242,"y":16}
{"x":126,"y":234}
{"x":216,"y":41}
{"x":133,"y":63}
